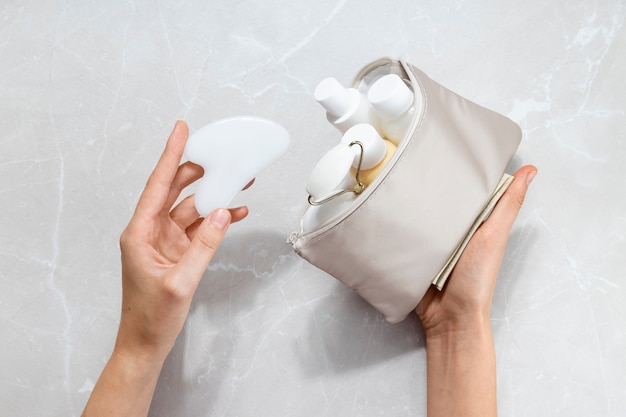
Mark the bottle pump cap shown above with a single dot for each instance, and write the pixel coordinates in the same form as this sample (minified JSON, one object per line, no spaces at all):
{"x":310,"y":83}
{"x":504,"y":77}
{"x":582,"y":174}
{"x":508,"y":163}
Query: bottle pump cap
{"x":333,"y":96}
{"x":374,"y":148}
{"x":390,"y":96}
{"x":331,"y":173}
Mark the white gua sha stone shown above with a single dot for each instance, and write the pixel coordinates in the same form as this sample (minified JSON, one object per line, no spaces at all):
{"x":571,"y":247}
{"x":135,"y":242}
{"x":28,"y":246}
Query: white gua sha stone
{"x":232,"y":152}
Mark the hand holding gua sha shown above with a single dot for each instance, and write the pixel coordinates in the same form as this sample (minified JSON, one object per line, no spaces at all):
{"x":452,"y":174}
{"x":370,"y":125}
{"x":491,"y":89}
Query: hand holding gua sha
{"x":232,"y":151}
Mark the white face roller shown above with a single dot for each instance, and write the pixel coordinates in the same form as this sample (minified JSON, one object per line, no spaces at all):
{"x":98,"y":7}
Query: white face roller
{"x":232,"y":152}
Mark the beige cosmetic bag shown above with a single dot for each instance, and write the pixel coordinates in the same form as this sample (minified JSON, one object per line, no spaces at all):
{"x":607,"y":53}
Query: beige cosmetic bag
{"x":407,"y":229}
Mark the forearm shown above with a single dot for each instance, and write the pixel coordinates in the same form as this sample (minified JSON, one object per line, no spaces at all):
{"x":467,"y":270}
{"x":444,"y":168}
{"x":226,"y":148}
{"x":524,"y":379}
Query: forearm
{"x":462,"y":372}
{"x":125,"y":387}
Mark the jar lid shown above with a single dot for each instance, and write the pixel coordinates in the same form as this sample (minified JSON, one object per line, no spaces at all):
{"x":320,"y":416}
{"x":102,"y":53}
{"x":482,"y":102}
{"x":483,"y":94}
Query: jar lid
{"x":390,"y":96}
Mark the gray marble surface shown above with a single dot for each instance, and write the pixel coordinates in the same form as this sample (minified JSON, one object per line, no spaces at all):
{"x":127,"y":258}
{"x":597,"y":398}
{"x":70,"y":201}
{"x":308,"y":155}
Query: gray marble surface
{"x":88,"y":94}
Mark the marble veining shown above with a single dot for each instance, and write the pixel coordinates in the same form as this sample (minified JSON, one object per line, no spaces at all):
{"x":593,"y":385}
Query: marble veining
{"x":89,"y":93}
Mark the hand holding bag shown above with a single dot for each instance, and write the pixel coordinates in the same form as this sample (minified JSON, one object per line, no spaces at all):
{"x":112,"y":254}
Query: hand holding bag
{"x":407,"y":229}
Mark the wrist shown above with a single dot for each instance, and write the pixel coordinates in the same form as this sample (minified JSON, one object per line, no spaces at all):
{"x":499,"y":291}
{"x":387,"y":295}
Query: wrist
{"x":141,"y":343}
{"x":139,"y":356}
{"x":461,"y":370}
{"x":138,"y":351}
{"x":125,"y":387}
{"x":136,"y":366}
{"x":455,"y":333}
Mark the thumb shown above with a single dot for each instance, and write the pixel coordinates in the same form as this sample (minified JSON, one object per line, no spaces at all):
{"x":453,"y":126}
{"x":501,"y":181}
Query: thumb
{"x":504,"y":214}
{"x":207,"y":239}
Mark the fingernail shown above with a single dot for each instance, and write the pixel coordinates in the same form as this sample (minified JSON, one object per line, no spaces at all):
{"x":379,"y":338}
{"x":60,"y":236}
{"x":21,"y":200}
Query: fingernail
{"x":530,"y":177}
{"x":220,"y":218}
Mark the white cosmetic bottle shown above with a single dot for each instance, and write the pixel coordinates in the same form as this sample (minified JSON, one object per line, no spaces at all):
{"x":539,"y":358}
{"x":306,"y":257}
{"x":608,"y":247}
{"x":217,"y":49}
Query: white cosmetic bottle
{"x":345,"y":107}
{"x":376,"y":151}
{"x":396,"y":104}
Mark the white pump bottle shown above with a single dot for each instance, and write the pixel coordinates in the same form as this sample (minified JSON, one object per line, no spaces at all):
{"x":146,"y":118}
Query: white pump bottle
{"x":396,"y":104}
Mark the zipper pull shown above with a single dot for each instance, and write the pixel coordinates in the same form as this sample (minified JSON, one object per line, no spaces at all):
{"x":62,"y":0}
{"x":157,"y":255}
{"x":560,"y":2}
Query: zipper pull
{"x":293,"y":237}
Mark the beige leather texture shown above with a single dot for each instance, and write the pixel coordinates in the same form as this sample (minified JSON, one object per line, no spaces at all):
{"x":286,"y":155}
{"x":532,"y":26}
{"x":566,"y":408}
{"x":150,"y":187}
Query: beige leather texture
{"x":408,"y":228}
